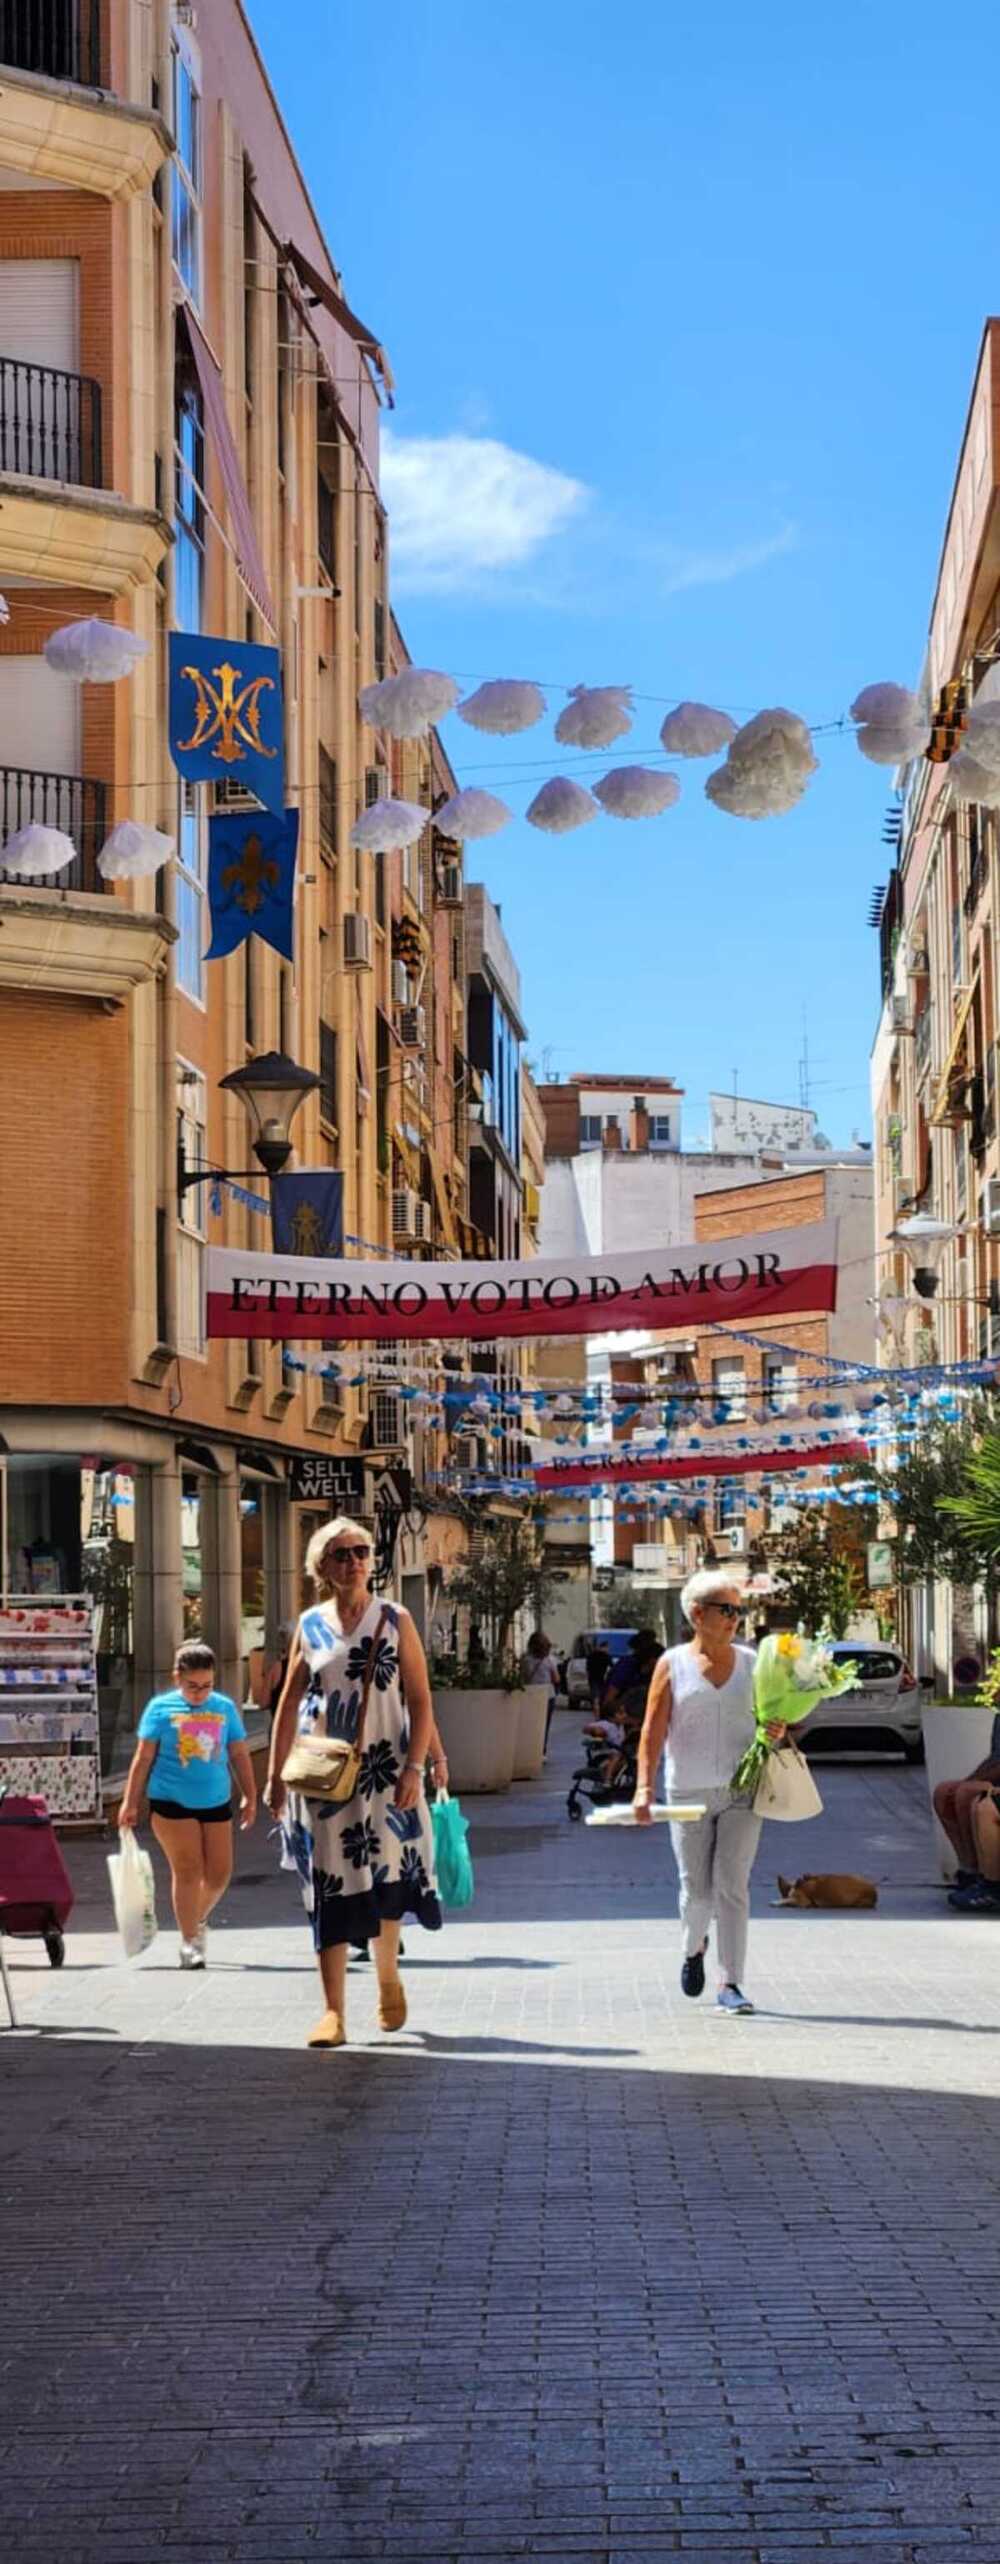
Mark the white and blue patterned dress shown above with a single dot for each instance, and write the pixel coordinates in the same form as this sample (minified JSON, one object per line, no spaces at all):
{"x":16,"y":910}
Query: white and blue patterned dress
{"x":367,"y":1858}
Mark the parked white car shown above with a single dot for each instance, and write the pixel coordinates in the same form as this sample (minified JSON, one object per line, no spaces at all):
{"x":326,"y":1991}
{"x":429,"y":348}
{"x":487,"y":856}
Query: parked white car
{"x":617,"y":1642}
{"x":883,"y":1713}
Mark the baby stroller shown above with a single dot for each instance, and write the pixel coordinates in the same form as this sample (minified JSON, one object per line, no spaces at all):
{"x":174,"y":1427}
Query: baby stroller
{"x":607,"y":1778}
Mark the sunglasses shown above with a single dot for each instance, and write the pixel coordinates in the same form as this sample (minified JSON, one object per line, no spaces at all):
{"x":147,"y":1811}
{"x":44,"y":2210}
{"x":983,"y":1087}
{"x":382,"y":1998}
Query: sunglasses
{"x":341,"y":1556}
{"x":730,"y":1611}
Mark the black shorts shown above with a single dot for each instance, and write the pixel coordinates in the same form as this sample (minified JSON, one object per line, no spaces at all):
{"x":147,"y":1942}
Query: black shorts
{"x":171,"y":1808}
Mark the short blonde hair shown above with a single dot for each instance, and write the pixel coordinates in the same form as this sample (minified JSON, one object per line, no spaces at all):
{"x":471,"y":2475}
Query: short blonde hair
{"x":705,"y":1586}
{"x":342,"y":1528}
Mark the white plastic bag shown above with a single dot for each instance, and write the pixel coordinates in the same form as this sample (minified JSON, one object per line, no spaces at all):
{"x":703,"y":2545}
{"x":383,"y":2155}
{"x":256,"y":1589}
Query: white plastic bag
{"x":786,"y":1790}
{"x":133,"y":1894}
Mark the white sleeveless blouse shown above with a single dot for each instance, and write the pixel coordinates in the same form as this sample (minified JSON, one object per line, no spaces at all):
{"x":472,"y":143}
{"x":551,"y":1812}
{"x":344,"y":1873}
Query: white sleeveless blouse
{"x":709,"y":1728}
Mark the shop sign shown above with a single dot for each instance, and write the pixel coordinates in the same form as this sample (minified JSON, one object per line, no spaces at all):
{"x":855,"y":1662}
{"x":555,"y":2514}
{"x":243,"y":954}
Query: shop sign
{"x":324,"y":1478}
{"x":880,"y":1569}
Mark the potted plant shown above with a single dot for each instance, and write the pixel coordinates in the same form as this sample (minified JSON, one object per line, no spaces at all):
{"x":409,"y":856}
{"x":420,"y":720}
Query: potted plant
{"x":476,"y":1707}
{"x":492,"y":1725}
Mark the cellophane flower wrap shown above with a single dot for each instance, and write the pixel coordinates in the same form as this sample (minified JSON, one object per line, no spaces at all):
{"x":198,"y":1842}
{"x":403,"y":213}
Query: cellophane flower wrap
{"x":791,"y":1675}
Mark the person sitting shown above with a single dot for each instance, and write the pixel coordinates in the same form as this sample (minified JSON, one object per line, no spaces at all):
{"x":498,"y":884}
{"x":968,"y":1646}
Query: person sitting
{"x":986,"y":1833}
{"x":626,"y":1688}
{"x":955,"y":1805}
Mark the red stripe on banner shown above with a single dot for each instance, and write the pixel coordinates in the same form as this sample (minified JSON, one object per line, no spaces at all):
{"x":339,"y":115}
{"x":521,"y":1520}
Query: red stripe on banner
{"x":695,"y":1464}
{"x":286,"y":1315}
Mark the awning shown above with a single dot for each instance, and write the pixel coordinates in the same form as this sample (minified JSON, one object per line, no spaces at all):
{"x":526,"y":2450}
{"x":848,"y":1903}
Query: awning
{"x":246,"y":549}
{"x":940,"y":1110}
{"x":323,"y":292}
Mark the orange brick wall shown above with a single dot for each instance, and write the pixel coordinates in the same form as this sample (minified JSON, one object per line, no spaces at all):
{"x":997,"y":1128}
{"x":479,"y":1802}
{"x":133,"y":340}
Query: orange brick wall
{"x":782,"y":1202}
{"x":561,"y":1108}
{"x":65,"y":1268}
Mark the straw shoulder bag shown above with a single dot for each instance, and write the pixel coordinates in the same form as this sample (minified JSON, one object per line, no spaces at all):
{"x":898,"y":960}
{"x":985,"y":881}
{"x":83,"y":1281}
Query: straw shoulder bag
{"x":328,"y":1767}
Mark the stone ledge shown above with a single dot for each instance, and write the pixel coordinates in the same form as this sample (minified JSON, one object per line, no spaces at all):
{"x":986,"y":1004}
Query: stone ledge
{"x":79,"y":943}
{"x":85,"y":138}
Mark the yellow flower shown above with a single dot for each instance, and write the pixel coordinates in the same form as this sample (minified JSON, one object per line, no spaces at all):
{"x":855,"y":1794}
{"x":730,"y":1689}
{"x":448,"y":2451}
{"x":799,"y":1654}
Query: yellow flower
{"x":788,"y":1644}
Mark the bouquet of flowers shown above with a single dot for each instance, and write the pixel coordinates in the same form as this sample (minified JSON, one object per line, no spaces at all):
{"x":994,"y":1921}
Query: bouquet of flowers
{"x":791,"y":1675}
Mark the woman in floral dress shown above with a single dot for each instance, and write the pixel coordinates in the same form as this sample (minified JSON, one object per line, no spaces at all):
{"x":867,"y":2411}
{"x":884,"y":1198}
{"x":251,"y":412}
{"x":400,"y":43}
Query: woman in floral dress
{"x":366,"y":1863}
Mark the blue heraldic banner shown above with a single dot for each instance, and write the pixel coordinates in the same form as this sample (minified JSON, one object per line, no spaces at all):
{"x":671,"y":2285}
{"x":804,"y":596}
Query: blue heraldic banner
{"x":307,"y":1212}
{"x":251,"y":880}
{"x":226,"y":720}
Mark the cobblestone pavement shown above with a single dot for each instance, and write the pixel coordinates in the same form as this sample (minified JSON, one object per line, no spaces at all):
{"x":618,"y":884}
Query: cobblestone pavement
{"x":572,"y":2269}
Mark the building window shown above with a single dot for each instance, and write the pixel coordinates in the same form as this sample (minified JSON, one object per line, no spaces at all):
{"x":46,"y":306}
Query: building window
{"x":189,"y":523}
{"x":660,"y":1132}
{"x":326,"y":527}
{"x":730,"y":1508}
{"x":590,"y":1130}
{"x":729,"y":1386}
{"x":191,"y":1211}
{"x":327,"y":802}
{"x":187,"y":174}
{"x":781,"y":1384}
{"x":379,"y":637}
{"x":192,"y":841}
{"x":328,"y":1073}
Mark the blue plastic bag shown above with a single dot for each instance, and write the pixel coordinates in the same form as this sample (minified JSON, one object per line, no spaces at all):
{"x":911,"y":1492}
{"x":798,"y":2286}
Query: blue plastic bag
{"x":452,"y":1858}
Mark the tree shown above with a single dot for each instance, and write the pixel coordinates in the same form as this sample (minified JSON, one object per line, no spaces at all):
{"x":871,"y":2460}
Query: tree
{"x":502,"y":1576}
{"x":976,"y":1509}
{"x":927,"y":1487}
{"x":626,"y":1606}
{"x":815,"y":1579}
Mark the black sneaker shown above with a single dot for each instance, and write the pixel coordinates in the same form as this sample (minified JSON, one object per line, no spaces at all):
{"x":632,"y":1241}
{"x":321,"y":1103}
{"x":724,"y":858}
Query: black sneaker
{"x":693,"y":1974}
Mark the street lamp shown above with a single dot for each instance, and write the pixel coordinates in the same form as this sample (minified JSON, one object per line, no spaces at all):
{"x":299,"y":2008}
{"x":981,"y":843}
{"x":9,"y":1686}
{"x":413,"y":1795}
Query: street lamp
{"x":923,"y":1241}
{"x":271,"y":1088}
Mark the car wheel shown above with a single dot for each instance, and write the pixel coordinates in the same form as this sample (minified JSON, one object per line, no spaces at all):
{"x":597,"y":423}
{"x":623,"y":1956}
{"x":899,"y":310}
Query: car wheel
{"x":913,"y":1748}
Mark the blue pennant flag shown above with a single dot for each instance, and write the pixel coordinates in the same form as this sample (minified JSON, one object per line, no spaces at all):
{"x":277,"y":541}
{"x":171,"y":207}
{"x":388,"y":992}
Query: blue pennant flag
{"x":251,"y":880}
{"x":226,"y":722}
{"x":307,"y":1212}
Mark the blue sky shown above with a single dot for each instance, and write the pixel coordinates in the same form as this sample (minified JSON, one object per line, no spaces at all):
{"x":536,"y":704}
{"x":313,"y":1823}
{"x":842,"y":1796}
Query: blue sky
{"x":713,"y":283}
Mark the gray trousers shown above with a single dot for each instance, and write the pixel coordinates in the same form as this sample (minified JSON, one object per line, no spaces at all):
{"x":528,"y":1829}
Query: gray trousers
{"x":715,"y":1855}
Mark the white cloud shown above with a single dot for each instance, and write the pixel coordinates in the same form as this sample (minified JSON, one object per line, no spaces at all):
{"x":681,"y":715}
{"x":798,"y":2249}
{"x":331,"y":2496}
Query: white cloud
{"x":712,"y":569}
{"x":462,"y":506}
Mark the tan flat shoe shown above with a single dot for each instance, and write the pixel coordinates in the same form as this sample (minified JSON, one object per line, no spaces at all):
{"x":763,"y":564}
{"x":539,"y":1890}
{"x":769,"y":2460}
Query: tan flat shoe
{"x":391,"y":2007}
{"x":328,"y":2033}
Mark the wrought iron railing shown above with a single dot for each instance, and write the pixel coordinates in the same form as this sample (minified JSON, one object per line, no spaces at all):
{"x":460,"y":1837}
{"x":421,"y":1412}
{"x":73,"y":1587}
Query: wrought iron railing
{"x":61,"y":38}
{"x":50,"y":423}
{"x":75,"y":803}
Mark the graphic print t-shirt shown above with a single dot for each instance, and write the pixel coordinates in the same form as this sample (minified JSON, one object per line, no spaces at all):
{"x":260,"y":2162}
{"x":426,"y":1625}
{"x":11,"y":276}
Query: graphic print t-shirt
{"x":192,"y":1748}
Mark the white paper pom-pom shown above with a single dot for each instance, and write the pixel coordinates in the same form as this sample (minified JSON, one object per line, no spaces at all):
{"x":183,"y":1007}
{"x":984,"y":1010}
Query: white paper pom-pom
{"x":134,"y":852}
{"x":594,"y":716}
{"x":889,"y":706}
{"x":472,"y":814}
{"x":389,"y":824}
{"x":36,"y":851}
{"x":504,"y":705}
{"x":636,"y":792}
{"x":560,"y":805}
{"x":767,"y":768}
{"x":747,"y":796}
{"x":695,"y":730}
{"x":970,"y":780}
{"x":94,"y":651}
{"x":892,"y":743}
{"x":410,"y":704}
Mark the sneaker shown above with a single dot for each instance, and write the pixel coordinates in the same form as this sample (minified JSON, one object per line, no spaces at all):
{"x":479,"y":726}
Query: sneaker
{"x":730,"y":1999}
{"x":693,"y":1973}
{"x":983,"y":1897}
{"x":191,"y":1956}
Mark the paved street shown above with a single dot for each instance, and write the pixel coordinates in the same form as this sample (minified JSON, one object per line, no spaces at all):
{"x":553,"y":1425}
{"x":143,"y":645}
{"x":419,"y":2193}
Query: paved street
{"x":571,"y":2269}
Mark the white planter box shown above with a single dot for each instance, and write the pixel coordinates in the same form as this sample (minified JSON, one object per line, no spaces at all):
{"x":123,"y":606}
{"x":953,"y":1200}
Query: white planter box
{"x":478,"y":1730}
{"x":955,"y":1740}
{"x":532,"y":1708}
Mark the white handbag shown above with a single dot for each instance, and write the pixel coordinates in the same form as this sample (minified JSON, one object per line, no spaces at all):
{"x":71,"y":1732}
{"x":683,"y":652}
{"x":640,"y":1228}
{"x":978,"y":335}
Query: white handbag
{"x":786,"y":1790}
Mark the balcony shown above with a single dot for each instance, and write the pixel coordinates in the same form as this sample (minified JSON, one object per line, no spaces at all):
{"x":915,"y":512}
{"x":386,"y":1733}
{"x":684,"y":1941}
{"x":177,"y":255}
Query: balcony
{"x":50,"y":423}
{"x":60,"y":38}
{"x":75,"y":803}
{"x":57,"y":123}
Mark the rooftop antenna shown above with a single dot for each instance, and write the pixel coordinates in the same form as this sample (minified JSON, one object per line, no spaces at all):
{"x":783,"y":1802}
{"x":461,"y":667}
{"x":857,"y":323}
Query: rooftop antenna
{"x":804,"y":1078}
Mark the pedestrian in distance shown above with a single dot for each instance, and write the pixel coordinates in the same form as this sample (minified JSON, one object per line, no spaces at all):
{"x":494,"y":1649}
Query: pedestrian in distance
{"x":192,"y":1746}
{"x":598,"y":1663}
{"x":540,"y":1666}
{"x":700,"y":1718}
{"x":368,"y":1860}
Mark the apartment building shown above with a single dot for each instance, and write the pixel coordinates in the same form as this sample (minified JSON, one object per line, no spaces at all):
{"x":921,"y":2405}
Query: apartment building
{"x":189,"y":440}
{"x":934,"y":1059}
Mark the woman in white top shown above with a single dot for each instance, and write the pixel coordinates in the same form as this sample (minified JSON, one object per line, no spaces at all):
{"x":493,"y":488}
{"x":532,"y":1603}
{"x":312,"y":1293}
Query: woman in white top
{"x":700,"y":1716}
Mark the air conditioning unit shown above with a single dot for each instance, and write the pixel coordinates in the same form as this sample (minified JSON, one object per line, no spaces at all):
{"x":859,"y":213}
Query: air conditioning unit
{"x":410,"y":1216}
{"x":450,"y":886}
{"x":400,"y":984}
{"x":412,"y":1027}
{"x":357,"y":941}
{"x":991,"y":1207}
{"x":899,"y":1008}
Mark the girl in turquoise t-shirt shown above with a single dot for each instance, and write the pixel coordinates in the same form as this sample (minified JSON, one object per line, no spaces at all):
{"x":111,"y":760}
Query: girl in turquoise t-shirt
{"x":192,"y":1744}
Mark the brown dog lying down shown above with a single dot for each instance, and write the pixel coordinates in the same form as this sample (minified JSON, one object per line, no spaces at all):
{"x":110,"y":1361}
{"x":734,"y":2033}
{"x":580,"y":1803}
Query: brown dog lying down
{"x":836,"y":1889}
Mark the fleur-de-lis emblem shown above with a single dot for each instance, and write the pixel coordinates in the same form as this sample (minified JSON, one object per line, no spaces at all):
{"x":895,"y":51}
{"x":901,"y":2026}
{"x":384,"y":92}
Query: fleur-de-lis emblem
{"x":252,"y":876}
{"x":222,"y":713}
